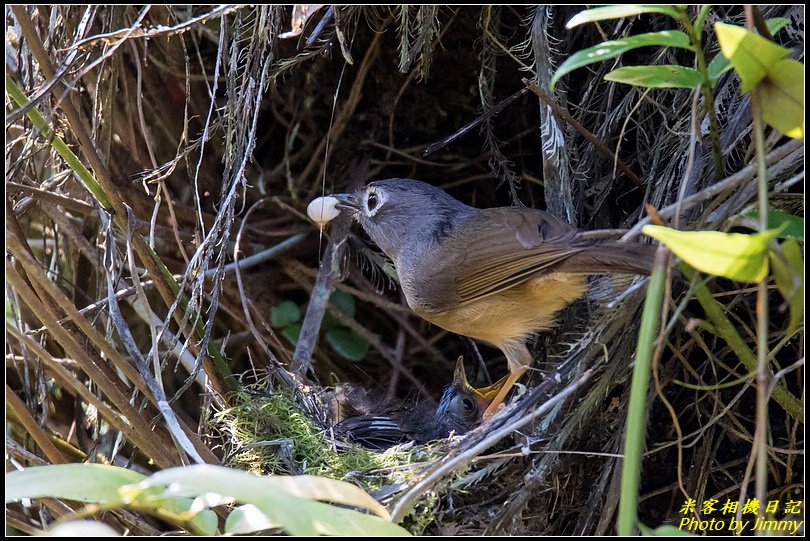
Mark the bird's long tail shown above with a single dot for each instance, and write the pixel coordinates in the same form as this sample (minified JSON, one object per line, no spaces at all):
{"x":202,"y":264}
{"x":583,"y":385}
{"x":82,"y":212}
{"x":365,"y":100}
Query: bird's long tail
{"x":611,"y":256}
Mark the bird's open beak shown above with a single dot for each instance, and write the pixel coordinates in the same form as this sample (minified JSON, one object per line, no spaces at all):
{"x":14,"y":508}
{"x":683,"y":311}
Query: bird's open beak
{"x":484,"y":395}
{"x":346,"y":201}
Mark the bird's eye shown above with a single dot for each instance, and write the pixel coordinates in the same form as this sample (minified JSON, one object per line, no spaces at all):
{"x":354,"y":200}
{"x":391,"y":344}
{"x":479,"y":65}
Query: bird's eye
{"x":372,"y":200}
{"x":468,"y":404}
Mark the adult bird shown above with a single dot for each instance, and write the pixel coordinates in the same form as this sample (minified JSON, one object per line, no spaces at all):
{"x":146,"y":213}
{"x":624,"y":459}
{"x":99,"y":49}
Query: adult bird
{"x":497,"y":274}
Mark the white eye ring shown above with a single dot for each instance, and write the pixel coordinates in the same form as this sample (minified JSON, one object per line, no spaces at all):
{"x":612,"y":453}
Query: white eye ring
{"x":373,"y":201}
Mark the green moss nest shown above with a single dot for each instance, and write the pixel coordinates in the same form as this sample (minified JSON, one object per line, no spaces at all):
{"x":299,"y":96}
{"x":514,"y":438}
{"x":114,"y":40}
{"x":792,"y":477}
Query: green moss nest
{"x":271,"y":434}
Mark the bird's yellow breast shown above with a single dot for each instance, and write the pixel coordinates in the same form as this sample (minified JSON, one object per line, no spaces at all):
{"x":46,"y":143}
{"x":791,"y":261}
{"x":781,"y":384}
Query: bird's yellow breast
{"x":513,"y":313}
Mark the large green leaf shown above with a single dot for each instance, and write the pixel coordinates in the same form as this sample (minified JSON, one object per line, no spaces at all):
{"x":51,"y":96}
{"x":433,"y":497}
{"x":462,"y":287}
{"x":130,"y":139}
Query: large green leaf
{"x":95,"y":483}
{"x":101,"y":484}
{"x":617,"y":12}
{"x":788,"y":274}
{"x":750,"y":54}
{"x":288,"y":502}
{"x":732,"y":255}
{"x":782,"y":97}
{"x":612,"y":49}
{"x":720,"y":64}
{"x":667,"y":76}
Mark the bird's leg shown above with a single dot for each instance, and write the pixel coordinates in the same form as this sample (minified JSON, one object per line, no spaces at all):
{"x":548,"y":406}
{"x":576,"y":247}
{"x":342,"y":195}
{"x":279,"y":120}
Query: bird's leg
{"x":519,"y":359}
{"x":507,"y":384}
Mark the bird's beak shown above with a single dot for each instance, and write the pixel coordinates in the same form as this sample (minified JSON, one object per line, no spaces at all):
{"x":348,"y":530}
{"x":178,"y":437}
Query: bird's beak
{"x":487,"y":394}
{"x":459,"y":375}
{"x":484,"y":395}
{"x":346,"y":201}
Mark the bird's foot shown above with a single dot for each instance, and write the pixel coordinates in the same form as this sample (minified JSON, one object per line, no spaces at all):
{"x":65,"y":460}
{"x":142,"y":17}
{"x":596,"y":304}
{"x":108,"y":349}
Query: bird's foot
{"x":491,"y":412}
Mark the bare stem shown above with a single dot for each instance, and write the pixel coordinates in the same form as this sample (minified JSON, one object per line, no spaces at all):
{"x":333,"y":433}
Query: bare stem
{"x":760,"y":436}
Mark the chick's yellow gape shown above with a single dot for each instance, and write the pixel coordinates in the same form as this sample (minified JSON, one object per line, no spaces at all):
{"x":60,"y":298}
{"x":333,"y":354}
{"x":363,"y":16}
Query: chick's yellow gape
{"x":496,"y":275}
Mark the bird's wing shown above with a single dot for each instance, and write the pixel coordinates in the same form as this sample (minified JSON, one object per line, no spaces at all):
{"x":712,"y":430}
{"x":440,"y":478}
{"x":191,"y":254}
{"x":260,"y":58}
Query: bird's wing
{"x":372,"y":431}
{"x":504,"y":247}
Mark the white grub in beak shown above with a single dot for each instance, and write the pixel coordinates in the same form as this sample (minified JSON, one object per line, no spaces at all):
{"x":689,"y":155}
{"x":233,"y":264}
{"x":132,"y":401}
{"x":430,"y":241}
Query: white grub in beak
{"x":323,"y":210}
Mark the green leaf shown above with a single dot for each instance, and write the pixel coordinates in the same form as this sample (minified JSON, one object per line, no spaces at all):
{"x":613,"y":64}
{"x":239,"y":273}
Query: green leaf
{"x":285,"y":313}
{"x":720,"y":64}
{"x":102,"y":484}
{"x":347,"y":343}
{"x":700,"y":20}
{"x":617,"y":12}
{"x":344,"y":302}
{"x":612,"y":49}
{"x":776,"y":24}
{"x":782,"y":97}
{"x":667,"y":76}
{"x":291,"y":502}
{"x":99,"y":483}
{"x":292,"y":333}
{"x":788,"y":274}
{"x":750,"y":54}
{"x":717,"y":67}
{"x":180,"y":511}
{"x":732,"y":255}
{"x":789,"y":226}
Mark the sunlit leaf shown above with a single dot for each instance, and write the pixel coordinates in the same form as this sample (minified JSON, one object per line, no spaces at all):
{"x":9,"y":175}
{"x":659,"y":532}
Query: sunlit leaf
{"x":782,"y":97}
{"x":99,"y":482}
{"x":750,"y":54}
{"x":617,"y":12}
{"x":248,"y":519}
{"x":285,"y":313}
{"x":668,"y":76}
{"x":614,"y":48}
{"x":788,"y":274}
{"x":347,"y":343}
{"x":287,"y":501}
{"x":732,"y":255}
{"x":720,"y":64}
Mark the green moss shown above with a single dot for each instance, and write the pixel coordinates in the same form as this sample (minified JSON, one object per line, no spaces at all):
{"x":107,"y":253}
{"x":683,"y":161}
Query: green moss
{"x":272,"y":435}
